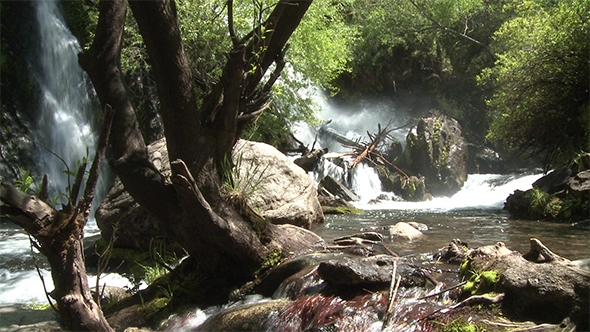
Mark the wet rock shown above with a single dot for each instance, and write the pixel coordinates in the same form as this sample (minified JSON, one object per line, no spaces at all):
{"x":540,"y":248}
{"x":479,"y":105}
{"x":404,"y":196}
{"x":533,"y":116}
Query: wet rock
{"x":483,"y":160}
{"x":370,"y":270}
{"x":404,"y":231}
{"x":560,"y":195}
{"x":411,"y":188}
{"x":455,"y":252}
{"x":338,"y":189}
{"x":436,"y":149}
{"x":249,"y":317}
{"x":332,"y":204}
{"x":268,"y":283}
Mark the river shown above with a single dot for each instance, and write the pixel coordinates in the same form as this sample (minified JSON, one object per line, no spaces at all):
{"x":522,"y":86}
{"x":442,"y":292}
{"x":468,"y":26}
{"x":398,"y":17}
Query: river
{"x":474,"y":214}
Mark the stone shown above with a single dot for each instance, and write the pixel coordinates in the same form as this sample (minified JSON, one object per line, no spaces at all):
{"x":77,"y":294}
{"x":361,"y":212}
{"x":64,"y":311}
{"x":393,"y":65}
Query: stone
{"x":286,"y":194}
{"x":437,"y":150}
{"x":404,"y":231}
{"x":539,"y":285}
{"x":373,"y":270}
{"x":248,"y":317}
{"x":338,"y":189}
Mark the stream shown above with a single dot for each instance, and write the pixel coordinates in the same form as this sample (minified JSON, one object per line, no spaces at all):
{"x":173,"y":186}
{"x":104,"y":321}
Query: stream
{"x":474,"y":214}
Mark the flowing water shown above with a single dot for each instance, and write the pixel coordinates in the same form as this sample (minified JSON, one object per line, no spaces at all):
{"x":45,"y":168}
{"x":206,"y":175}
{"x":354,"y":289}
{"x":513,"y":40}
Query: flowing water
{"x":66,"y":127}
{"x":474,"y":214}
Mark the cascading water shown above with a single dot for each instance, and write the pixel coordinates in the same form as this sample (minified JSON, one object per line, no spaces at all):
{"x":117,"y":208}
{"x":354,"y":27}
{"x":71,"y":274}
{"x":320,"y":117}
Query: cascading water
{"x":66,"y":127}
{"x":66,"y":124}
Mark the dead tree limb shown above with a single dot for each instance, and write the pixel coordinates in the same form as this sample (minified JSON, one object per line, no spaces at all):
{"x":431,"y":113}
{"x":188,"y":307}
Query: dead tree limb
{"x":59,"y":236}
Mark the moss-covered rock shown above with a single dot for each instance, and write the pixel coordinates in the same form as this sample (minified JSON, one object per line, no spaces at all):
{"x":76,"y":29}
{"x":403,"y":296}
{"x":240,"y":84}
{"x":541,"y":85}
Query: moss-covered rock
{"x":437,"y":150}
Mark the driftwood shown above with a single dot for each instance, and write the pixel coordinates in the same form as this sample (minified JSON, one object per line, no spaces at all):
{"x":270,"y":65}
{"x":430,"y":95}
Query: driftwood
{"x":59,"y":236}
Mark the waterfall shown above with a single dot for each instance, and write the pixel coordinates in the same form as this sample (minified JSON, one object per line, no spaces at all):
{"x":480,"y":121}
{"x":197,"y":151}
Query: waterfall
{"x":66,"y":125}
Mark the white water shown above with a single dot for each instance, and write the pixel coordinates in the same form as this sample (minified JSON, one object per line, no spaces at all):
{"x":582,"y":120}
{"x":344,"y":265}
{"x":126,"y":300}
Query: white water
{"x":66,"y":124}
{"x":66,"y":127}
{"x":480,"y":191}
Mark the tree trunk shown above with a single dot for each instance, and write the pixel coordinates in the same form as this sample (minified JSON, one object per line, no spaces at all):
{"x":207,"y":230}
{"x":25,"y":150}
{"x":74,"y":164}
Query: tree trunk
{"x":190,"y":204}
{"x":59,"y":236}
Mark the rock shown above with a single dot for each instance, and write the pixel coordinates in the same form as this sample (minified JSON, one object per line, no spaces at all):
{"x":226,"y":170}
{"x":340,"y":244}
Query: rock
{"x":21,"y":318}
{"x":332,"y":204}
{"x":110,"y":294}
{"x":437,"y":150}
{"x":404,"y":231}
{"x":555,"y":181}
{"x":136,"y":227}
{"x":269,"y":281}
{"x":483,"y":160}
{"x":455,"y":252}
{"x":580,"y":183}
{"x":411,"y":188}
{"x":310,"y":160}
{"x":539,"y":285}
{"x":338,"y":189}
{"x":418,"y":225}
{"x":560,"y":195}
{"x":249,"y":317}
{"x":286,"y":194}
{"x":374,"y":270}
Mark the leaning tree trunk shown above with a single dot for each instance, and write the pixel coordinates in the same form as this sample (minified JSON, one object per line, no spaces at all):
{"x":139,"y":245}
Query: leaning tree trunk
{"x":190,"y":205}
{"x":59,"y":237}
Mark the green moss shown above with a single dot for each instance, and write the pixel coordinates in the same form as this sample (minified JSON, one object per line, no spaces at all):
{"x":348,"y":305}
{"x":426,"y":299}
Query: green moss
{"x":478,"y":281}
{"x":151,"y":308}
{"x":461,"y":325}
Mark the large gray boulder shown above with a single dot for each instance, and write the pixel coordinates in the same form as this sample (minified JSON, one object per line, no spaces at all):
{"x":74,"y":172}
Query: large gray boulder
{"x":437,"y":150}
{"x":285,"y":195}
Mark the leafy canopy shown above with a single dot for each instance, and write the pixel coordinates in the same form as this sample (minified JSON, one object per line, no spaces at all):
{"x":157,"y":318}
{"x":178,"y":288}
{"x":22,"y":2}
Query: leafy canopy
{"x":540,"y":81}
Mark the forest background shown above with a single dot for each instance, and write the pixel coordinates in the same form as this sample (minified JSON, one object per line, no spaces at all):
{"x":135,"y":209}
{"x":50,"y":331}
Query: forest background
{"x":514,"y":73}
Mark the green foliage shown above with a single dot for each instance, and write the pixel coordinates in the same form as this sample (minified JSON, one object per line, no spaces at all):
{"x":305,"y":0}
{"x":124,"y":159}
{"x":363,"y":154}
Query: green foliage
{"x":540,"y":102}
{"x":273,"y":259}
{"x":25,"y":181}
{"x":240,"y":181}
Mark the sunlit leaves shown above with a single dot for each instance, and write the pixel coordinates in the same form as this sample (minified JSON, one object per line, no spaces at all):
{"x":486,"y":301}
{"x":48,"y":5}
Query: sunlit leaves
{"x":540,"y":103}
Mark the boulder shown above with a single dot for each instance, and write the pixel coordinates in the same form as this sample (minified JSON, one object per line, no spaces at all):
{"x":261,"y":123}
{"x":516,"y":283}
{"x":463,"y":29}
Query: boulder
{"x":404,"y":231}
{"x":560,"y":195}
{"x":437,"y":150}
{"x":332,"y":204}
{"x":374,"y":270}
{"x":248,"y":317}
{"x":136,"y":227}
{"x":411,"y":188}
{"x":338,"y":189}
{"x":538,"y":285}
{"x":286,"y":195}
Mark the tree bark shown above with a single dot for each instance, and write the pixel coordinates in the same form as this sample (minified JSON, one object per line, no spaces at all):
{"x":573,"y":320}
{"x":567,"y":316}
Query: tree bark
{"x":231,"y":244}
{"x":59,"y":236}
